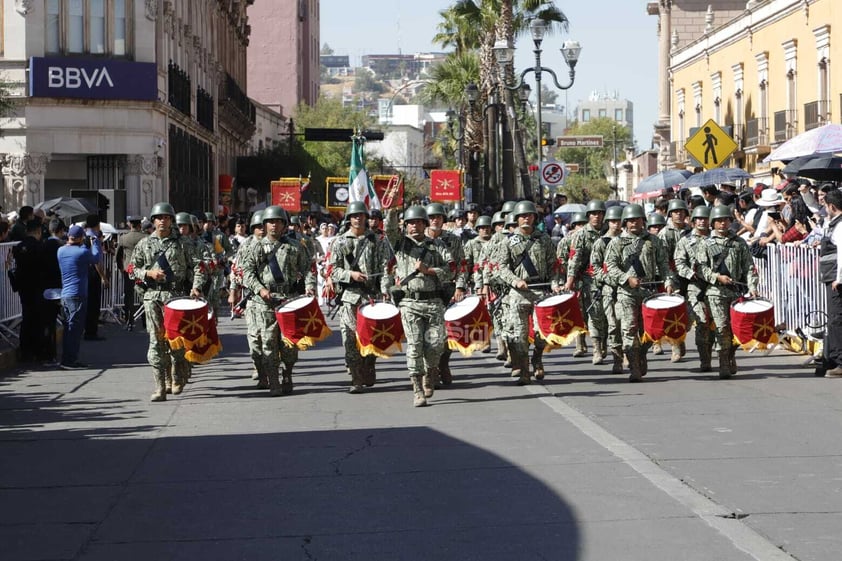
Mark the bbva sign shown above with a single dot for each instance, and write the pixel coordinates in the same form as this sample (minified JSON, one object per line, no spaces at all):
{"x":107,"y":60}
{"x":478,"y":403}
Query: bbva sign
{"x":62,"y":77}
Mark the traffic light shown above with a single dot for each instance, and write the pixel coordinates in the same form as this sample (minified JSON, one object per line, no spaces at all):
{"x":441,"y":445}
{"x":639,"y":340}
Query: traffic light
{"x":547,"y":141}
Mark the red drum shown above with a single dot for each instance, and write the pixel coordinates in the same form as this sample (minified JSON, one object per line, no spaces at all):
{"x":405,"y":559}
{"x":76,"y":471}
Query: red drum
{"x":664,"y":318}
{"x":753,"y":323}
{"x":379,"y":329}
{"x":188,"y":326}
{"x":468,"y":325}
{"x":558,"y":319}
{"x":301,"y":322}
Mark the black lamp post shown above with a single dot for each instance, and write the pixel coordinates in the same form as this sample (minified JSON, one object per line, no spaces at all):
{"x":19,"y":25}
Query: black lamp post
{"x":505,"y":55}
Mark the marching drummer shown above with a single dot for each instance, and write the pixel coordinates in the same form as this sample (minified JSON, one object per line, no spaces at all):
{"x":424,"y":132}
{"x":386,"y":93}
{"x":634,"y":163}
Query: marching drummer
{"x":160,"y":266}
{"x":675,"y":230}
{"x":637,"y":264}
{"x":422,"y":267}
{"x":607,"y":290}
{"x":726,"y":265}
{"x":453,"y":289}
{"x":686,"y":267}
{"x":528,"y":267}
{"x":359,"y":259}
{"x":475,"y":259}
{"x":580,"y":277}
{"x":492,"y":287}
{"x":271,"y":268}
{"x":238,"y":297}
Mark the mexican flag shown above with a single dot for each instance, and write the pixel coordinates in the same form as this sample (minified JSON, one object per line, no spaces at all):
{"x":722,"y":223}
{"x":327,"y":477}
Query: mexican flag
{"x":359,"y":185}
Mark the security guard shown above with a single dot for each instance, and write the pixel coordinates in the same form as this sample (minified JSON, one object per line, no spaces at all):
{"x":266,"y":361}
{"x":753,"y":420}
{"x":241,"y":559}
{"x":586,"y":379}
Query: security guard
{"x":160,"y":264}
{"x":125,"y":248}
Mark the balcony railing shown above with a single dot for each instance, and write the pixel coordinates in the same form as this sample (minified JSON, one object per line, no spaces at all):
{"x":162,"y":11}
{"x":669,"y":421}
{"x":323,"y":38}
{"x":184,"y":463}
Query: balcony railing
{"x":738,"y":134}
{"x":204,"y":108}
{"x":757,"y":133}
{"x":786,"y":123}
{"x":178,"y":85}
{"x":816,"y":114}
{"x":238,"y":99}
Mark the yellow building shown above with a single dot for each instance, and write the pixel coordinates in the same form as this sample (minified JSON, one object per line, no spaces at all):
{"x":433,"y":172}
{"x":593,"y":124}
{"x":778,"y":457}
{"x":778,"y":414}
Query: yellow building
{"x":765,"y":72}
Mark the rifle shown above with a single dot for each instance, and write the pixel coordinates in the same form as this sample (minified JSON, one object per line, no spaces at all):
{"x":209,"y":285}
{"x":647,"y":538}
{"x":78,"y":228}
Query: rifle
{"x":240,"y":307}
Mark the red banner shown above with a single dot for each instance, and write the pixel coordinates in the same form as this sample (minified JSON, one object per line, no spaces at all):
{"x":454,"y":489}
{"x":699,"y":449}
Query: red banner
{"x":286,"y":193}
{"x":389,"y":190}
{"x":445,"y":185}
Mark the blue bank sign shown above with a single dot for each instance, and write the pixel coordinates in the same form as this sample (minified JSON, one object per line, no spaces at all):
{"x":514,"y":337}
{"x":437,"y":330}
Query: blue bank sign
{"x":92,"y":79}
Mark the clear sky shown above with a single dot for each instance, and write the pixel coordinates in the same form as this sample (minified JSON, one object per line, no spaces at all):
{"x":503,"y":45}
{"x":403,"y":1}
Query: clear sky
{"x":619,"y":45}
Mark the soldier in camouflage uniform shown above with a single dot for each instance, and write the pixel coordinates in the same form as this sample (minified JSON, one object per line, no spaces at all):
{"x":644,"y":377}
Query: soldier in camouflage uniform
{"x":676,"y":229}
{"x":726,"y":265}
{"x":423,"y":266}
{"x":474,"y":258}
{"x":271,"y":268}
{"x":528,"y":257}
{"x":637,"y":264}
{"x":606,"y":290}
{"x":222,"y":251}
{"x":238,"y":297}
{"x":358,"y":264}
{"x":577,"y":222}
{"x":686,"y":267}
{"x":436,"y":214}
{"x":580,"y":277}
{"x":161,"y":263}
{"x":490,"y":285}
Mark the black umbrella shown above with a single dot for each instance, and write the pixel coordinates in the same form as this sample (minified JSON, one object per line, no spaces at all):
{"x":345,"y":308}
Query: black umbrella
{"x":716,"y":176}
{"x":827,"y":168}
{"x":794,"y":166}
{"x":68,"y":208}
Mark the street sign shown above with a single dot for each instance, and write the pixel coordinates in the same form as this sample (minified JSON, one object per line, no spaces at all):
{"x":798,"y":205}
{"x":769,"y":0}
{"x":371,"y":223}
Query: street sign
{"x":593,"y":141}
{"x":552,"y":173}
{"x":571,"y":168}
{"x":710,"y":145}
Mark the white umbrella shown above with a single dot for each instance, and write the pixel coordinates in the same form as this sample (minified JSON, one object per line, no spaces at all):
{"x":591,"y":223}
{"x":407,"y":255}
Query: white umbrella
{"x":827,"y":138}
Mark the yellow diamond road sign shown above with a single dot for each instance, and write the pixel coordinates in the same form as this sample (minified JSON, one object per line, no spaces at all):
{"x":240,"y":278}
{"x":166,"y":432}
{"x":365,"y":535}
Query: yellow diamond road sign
{"x":710,"y":145}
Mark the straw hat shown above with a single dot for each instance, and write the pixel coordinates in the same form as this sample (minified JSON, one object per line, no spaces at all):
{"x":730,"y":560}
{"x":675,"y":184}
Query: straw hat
{"x":770,"y":197}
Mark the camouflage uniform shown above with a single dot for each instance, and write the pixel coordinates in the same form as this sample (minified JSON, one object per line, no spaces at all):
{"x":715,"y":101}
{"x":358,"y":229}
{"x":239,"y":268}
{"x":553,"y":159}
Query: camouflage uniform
{"x":606,"y":292}
{"x":725,"y":255}
{"x":456,"y":248}
{"x":220,"y":247}
{"x":294,"y":265}
{"x":518,"y":305}
{"x":475,"y":263}
{"x":370,"y":255}
{"x":686,"y":267}
{"x":643,"y":257}
{"x":181,"y":256}
{"x":422,"y":308}
{"x":579,"y":267}
{"x":236,"y":285}
{"x":490,"y":280}
{"x":670,"y":236}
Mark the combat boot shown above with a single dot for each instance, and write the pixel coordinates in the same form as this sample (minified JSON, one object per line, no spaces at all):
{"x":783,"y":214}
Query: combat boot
{"x":617,"y":366}
{"x":286,"y":380}
{"x":502,"y":352}
{"x":682,"y":349}
{"x":356,"y":380}
{"x":445,"y":377}
{"x":703,"y":344}
{"x":160,"y":386}
{"x":725,"y":361}
{"x":523,"y":376}
{"x":633,"y":354}
{"x":538,"y":363}
{"x":178,"y":379}
{"x":598,"y":356}
{"x":581,"y":346}
{"x":676,"y":354}
{"x":369,"y":370}
{"x":274,"y":384}
{"x":657,"y":349}
{"x":732,"y":360}
{"x":428,"y":382}
{"x":418,"y":399}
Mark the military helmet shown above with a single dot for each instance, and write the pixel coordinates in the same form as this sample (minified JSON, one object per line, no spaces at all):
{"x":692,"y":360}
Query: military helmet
{"x":720,"y":211}
{"x":578,"y":218}
{"x":209,"y":217}
{"x":511,"y":220}
{"x":656,"y":219}
{"x":275,"y":212}
{"x":256,"y":219}
{"x":195,"y":221}
{"x":633,"y":211}
{"x":457,"y":213}
{"x":676,"y":204}
{"x":524,"y":207}
{"x":614,"y":213}
{"x":484,"y":221}
{"x":701,"y":211}
{"x":294,"y":220}
{"x":508,"y":207}
{"x":595,"y":206}
{"x":497,"y":218}
{"x":183,"y":218}
{"x":416,"y":212}
{"x":435,"y":209}
{"x":161,"y":209}
{"x":356,"y":207}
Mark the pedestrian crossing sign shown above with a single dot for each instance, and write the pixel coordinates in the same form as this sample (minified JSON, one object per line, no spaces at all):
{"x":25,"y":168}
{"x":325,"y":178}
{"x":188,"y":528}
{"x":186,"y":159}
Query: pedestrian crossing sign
{"x":710,"y":145}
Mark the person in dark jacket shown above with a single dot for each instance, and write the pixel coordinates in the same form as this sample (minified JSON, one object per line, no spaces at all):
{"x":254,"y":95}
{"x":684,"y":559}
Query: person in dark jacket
{"x":27,"y":256}
{"x":96,"y":280}
{"x":51,"y":279}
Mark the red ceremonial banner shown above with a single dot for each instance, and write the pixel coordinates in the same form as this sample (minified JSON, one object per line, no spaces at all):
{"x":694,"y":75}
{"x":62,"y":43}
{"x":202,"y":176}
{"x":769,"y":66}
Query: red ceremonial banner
{"x":445,"y":185}
{"x":664,"y":317}
{"x":286,"y":193}
{"x":389,"y":189}
{"x":753,"y":324}
{"x":301,"y":322}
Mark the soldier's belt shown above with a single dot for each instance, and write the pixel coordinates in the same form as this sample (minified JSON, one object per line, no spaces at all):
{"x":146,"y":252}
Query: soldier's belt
{"x":423,"y":295}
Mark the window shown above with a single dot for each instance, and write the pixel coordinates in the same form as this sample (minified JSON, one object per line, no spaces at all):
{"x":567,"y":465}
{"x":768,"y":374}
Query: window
{"x":586,"y":115}
{"x":96,"y":27}
{"x":618,"y":115}
{"x":603,"y":113}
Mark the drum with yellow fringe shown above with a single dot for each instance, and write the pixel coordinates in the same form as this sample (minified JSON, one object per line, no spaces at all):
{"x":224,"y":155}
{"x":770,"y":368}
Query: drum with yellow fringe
{"x":301,"y":322}
{"x":468,"y":325}
{"x":558,"y":319}
{"x":664,"y":318}
{"x":189,"y":326}
{"x":379,"y":329}
{"x":753,"y":323}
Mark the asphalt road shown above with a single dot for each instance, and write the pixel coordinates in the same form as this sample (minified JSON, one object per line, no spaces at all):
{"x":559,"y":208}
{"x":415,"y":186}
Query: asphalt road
{"x":583,"y":467}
